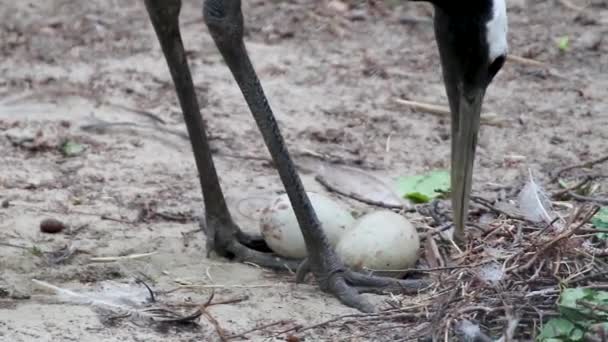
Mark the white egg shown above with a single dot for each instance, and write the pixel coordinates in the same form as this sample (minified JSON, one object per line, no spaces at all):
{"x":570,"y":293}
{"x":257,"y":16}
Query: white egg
{"x":382,"y":240}
{"x":281,"y":231}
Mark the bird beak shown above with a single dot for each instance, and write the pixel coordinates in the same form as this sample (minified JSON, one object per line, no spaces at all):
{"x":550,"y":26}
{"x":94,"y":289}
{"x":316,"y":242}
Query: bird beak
{"x":465,"y":128}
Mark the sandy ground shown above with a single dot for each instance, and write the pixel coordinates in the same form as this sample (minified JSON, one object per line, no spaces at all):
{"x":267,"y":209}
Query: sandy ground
{"x":332,"y":78}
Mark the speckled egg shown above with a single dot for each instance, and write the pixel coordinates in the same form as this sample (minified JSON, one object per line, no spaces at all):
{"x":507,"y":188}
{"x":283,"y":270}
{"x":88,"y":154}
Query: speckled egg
{"x":381,"y":240}
{"x":281,"y":231}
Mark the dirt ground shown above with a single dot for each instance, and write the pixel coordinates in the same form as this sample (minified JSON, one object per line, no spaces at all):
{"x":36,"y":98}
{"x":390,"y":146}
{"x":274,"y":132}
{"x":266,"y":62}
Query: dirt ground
{"x":332,"y":75}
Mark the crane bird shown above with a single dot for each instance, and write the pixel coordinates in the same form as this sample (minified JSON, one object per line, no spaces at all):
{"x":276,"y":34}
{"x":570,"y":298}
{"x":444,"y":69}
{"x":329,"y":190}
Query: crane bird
{"x":472,"y":41}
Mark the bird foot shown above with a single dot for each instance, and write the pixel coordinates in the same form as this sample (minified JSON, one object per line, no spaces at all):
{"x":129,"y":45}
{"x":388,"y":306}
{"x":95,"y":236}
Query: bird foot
{"x":227,"y":240}
{"x":347,"y":285}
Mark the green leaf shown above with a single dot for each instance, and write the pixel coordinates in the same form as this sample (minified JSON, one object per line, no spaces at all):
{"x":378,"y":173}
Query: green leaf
{"x":576,"y":335}
{"x":554,"y":328}
{"x":576,"y":319}
{"x":600,"y":220}
{"x":563,"y":43}
{"x":571,"y":308}
{"x":423,"y":188}
{"x":71,"y":148}
{"x":569,"y":297}
{"x":601,"y":297}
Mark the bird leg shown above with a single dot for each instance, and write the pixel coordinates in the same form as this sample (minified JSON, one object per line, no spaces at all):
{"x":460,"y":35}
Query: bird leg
{"x":225,"y":22}
{"x":223,"y":235}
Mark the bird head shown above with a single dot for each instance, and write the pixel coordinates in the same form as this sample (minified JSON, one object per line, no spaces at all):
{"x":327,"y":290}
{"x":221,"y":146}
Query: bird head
{"x":472,"y":40}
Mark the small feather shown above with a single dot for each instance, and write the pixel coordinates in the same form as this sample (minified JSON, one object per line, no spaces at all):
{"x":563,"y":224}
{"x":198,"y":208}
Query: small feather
{"x":534,"y":203}
{"x":491,"y":273}
{"x":121,"y":301}
{"x":468,"y":330}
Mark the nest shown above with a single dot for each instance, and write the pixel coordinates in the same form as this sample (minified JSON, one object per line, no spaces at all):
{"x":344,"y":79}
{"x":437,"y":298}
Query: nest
{"x":508,"y":279}
{"x":506,"y":282}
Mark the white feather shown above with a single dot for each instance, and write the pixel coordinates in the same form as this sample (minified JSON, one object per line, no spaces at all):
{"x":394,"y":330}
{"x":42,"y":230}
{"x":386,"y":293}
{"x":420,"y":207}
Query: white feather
{"x":534,"y":203}
{"x":491,"y":273}
{"x":497,"y":28}
{"x":111,"y":297}
{"x":468,"y":330}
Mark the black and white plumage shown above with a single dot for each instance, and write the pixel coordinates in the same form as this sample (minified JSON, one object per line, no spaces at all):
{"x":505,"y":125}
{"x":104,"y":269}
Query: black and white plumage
{"x":496,"y":30}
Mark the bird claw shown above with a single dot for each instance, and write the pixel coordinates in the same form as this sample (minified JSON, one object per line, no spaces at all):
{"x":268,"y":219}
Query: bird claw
{"x":239,"y":246}
{"x":303,"y":270}
{"x":347,"y":285}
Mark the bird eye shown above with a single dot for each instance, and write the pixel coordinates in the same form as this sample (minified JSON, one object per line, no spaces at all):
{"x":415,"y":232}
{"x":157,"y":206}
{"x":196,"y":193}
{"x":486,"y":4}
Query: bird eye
{"x":496,"y":66}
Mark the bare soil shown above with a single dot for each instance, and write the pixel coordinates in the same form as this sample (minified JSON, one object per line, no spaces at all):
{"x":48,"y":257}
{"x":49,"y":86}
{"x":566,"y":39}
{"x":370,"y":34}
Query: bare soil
{"x":332,"y":77}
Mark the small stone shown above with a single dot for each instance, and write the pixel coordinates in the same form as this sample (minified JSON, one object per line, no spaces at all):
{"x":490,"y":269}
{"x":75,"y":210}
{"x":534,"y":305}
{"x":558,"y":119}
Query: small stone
{"x":337,"y":6}
{"x":51,"y":226}
{"x":6,"y":203}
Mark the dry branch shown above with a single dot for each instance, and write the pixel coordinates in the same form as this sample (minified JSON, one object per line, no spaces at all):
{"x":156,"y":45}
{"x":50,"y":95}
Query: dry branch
{"x":583,"y":165}
{"x":488,"y":118}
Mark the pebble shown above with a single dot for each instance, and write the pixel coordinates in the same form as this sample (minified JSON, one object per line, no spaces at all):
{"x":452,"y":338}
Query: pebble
{"x":51,"y":226}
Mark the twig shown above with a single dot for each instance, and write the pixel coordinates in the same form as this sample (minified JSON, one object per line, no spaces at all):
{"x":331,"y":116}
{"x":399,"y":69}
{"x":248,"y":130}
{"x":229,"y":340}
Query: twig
{"x":102,"y":126}
{"x":512,"y":320}
{"x":178,"y":217}
{"x":219,"y":302}
{"x":487,"y":204}
{"x":105,"y":217}
{"x":218,"y":328}
{"x":258,"y":328}
{"x":406,"y":19}
{"x":576,"y":186}
{"x":144,"y":113}
{"x":372,"y":331}
{"x":229,"y":301}
{"x":555,"y":240}
{"x":150,"y":292}
{"x":210,"y":298}
{"x":361,"y":316}
{"x":14,"y":246}
{"x":243,"y":156}
{"x":425,"y":107}
{"x":603,"y":201}
{"x":303,"y":153}
{"x":547,"y":226}
{"x":121,"y":258}
{"x":525,"y":61}
{"x":587,"y":277}
{"x":215,"y":286}
{"x":441,"y":308}
{"x":433,"y":269}
{"x":356,"y":197}
{"x":488,"y":118}
{"x":334,"y":159}
{"x":584,"y":165}
{"x":570,"y":5}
